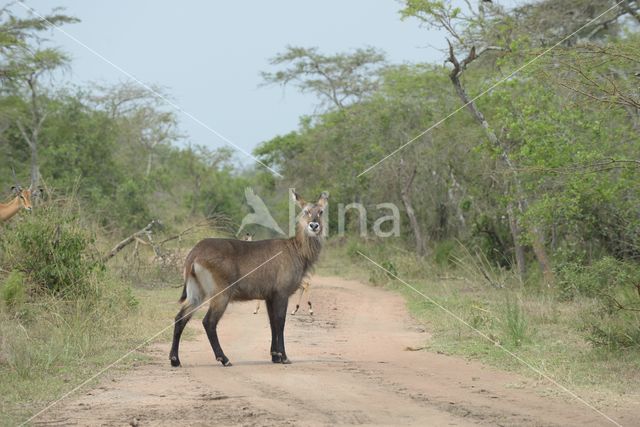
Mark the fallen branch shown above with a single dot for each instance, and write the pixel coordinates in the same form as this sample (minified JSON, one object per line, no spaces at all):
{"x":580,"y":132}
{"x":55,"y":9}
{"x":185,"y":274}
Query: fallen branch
{"x":134,"y":237}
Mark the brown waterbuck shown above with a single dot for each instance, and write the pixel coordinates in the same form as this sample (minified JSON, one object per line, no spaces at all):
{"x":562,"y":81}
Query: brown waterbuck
{"x":218,"y":271}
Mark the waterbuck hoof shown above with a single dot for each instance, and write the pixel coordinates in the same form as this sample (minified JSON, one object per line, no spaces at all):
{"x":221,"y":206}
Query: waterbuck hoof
{"x":224,"y":360}
{"x":175,"y":362}
{"x":276,"y":357}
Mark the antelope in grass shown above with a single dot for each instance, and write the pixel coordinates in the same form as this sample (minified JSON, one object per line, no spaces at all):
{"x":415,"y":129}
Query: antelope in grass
{"x":304,"y":287}
{"x":22,"y":199}
{"x":218,"y":271}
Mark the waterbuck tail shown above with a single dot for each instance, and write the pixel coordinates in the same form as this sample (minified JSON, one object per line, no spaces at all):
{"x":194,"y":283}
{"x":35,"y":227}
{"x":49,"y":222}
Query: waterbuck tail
{"x":188,"y":273}
{"x":184,"y":293}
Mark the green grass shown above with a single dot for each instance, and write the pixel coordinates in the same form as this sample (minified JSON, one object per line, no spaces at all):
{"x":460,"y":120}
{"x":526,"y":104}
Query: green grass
{"x":52,"y":346}
{"x":530,"y":321}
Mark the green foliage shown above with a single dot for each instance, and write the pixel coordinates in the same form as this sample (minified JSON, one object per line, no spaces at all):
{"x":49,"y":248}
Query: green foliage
{"x":515,"y":324}
{"x":615,"y":325}
{"x":337,"y":79}
{"x":597,"y":279}
{"x":13,"y":291}
{"x":53,"y":250}
{"x":378,"y":276}
{"x":444,"y":253}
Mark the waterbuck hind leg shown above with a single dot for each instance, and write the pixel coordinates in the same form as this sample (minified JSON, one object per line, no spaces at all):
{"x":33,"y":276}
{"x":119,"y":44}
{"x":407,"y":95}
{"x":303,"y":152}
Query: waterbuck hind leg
{"x":310,"y":308}
{"x":210,"y":323}
{"x":275,"y":356}
{"x":181,"y":320}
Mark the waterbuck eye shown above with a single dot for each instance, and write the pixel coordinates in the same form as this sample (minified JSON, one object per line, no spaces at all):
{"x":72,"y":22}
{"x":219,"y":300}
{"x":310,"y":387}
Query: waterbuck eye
{"x":321,"y":212}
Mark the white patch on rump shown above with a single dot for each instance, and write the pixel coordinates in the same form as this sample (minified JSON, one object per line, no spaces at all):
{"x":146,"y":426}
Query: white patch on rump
{"x":201,"y":287}
{"x":193,"y":292}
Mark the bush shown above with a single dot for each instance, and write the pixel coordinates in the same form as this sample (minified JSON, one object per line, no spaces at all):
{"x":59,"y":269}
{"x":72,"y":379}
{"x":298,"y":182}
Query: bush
{"x":444,"y":254}
{"x":53,"y":250}
{"x":13,"y":291}
{"x":378,"y":276}
{"x":595,"y":280}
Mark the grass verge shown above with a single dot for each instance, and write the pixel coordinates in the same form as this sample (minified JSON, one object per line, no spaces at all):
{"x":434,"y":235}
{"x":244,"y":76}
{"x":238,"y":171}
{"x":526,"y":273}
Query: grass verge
{"x":61,"y":345}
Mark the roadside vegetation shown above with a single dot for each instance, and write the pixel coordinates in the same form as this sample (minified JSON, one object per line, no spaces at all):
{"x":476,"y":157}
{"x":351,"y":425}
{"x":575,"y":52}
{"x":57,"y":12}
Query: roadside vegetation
{"x":519,"y":213}
{"x":580,"y":342}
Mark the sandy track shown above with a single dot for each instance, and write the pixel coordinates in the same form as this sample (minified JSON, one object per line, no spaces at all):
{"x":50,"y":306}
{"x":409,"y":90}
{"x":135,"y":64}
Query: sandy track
{"x":350,"y":367}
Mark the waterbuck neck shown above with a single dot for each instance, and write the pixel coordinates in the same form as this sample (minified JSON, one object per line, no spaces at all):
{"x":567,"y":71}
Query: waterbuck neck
{"x":306,"y":247}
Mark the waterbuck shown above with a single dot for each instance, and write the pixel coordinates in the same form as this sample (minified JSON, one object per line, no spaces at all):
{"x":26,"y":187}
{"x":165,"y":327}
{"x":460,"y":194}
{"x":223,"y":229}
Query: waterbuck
{"x":219,"y":271}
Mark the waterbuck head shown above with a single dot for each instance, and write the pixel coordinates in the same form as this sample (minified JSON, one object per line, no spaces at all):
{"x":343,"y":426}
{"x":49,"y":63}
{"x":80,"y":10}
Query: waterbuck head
{"x":311,"y":220}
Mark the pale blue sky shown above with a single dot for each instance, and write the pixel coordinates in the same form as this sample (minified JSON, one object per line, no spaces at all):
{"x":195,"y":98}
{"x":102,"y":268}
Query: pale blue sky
{"x":208,"y":54}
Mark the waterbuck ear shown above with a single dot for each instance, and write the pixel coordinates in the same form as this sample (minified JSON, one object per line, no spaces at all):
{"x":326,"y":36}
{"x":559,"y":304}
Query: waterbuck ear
{"x":299,"y":200}
{"x":323,"y":200}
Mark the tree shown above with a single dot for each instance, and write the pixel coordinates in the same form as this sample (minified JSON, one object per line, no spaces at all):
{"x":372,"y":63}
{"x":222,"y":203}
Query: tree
{"x":23,"y":63}
{"x":141,"y":115}
{"x":445,"y":16}
{"x":338,"y":80}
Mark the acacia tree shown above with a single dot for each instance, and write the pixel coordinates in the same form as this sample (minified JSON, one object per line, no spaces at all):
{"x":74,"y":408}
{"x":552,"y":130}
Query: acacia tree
{"x":338,"y":80}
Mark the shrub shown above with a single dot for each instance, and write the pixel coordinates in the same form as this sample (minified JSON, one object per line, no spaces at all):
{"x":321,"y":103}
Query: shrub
{"x":595,"y":280}
{"x":378,"y":276}
{"x":444,"y":253}
{"x":13,"y":291}
{"x":53,"y":250}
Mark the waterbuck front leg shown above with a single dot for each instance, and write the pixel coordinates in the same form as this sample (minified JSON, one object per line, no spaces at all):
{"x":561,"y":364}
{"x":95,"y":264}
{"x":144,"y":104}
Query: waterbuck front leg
{"x":182,"y":318}
{"x":280,"y":314}
{"x":275,"y":357}
{"x":210,"y":323}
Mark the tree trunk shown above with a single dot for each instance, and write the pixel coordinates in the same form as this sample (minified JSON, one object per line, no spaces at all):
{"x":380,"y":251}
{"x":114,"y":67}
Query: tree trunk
{"x":35,"y":169}
{"x":538,"y":246}
{"x":421,"y":249}
{"x":518,"y":249}
{"x":148,"y":171}
{"x":541,"y":256}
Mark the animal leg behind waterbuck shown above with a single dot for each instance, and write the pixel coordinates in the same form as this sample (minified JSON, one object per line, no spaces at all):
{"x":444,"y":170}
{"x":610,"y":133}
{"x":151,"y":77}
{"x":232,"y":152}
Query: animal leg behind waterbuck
{"x":210,"y":323}
{"x":305,"y":288}
{"x":182,"y":318}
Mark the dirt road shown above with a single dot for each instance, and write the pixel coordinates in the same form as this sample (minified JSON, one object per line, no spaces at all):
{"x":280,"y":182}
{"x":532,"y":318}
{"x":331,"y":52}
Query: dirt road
{"x":350,"y":366}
